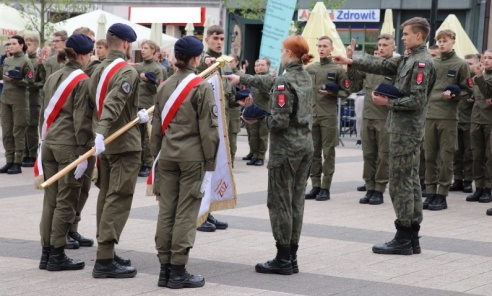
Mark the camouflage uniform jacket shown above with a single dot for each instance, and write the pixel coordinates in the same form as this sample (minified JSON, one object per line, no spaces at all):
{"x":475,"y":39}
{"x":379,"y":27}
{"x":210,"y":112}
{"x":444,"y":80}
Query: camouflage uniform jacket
{"x":261,"y":95}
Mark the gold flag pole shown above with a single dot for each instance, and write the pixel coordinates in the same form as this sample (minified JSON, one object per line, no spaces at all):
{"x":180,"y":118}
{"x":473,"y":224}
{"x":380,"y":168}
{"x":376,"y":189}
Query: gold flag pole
{"x":220,"y":62}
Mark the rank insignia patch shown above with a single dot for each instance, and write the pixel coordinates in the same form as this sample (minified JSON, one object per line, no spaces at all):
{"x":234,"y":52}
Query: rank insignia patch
{"x":420,"y":77}
{"x":470,"y":82}
{"x":346,"y":82}
{"x":281,"y":100}
{"x":30,"y":74}
{"x":126,"y":87}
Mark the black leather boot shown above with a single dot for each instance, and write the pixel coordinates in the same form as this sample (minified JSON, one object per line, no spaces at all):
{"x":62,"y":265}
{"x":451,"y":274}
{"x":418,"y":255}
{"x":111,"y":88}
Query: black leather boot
{"x":281,"y":264}
{"x":365,"y":199}
{"x":456,"y":186}
{"x":45,"y":256}
{"x":400,"y":245}
{"x":439,"y":203}
{"x":15,"y":169}
{"x":486,"y":196}
{"x":362,"y":188}
{"x":6,"y":167}
{"x":164,"y":275}
{"x":428,"y":200}
{"x":489,"y":212}
{"x":324,"y":194}
{"x":28,"y":162}
{"x":109,"y":268}
{"x":59,"y":261}
{"x":179,"y":278}
{"x":475,"y":196}
{"x":83,"y":241}
{"x":248,"y":157}
{"x":251,"y":161}
{"x":467,"y":186}
{"x":207,"y":227}
{"x":144,"y":171}
{"x":415,"y":239}
{"x":377,"y":198}
{"x":312,"y":194}
{"x":422,"y":188}
{"x":218,"y":224}
{"x":71,"y":243}
{"x":122,"y":261}
{"x":293,"y":258}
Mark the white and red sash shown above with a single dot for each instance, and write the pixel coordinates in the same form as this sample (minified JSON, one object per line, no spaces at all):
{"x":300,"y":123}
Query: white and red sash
{"x":171,"y":107}
{"x":102,"y":86}
{"x":53,"y":109}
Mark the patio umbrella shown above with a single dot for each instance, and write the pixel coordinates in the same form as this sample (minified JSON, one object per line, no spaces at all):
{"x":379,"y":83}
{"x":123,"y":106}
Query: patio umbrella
{"x":463,"y":45}
{"x":156,"y":33}
{"x":101,"y":27}
{"x":189,"y":29}
{"x":388,"y":27}
{"x":320,"y":24}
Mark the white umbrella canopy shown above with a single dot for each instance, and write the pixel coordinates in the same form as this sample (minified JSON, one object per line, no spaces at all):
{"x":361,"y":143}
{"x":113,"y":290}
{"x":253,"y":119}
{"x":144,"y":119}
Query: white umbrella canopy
{"x":388,"y":27}
{"x":156,"y":33}
{"x":463,"y":45}
{"x":320,"y":24}
{"x":13,"y":23}
{"x":208,"y":23}
{"x":101,"y":27}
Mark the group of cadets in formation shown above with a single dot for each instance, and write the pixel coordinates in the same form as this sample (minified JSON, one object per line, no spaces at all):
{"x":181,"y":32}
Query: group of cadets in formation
{"x":448,"y":98}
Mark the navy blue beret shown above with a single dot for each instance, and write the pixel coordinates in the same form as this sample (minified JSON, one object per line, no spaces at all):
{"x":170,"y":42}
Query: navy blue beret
{"x":15,"y":73}
{"x":123,"y":32}
{"x":80,"y":43}
{"x":387,"y":90}
{"x":151,"y":76}
{"x":243,"y":94}
{"x":454,"y":89}
{"x":189,"y":46}
{"x":254,"y":112}
{"x":330,"y":86}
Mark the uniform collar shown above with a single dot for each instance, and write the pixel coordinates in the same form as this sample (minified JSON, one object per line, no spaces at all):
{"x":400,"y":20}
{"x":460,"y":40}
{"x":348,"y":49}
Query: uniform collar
{"x":19,"y":54}
{"x":149,"y":61}
{"x":294,"y":66}
{"x":324,"y":61}
{"x":447,"y":55}
{"x":73,"y":64}
{"x":32,"y":55}
{"x":114,"y":54}
{"x":213,"y":53}
{"x":419,"y":48}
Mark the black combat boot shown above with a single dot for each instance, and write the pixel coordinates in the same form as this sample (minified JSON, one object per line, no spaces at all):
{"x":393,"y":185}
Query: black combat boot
{"x":6,"y":167}
{"x":45,"y":256}
{"x":428,"y":200}
{"x":179,"y":278}
{"x":475,"y":196}
{"x":312,"y":194}
{"x":486,"y":197}
{"x":109,"y":268}
{"x":218,"y":224}
{"x":456,"y":186}
{"x":377,"y":198}
{"x":422,"y":188}
{"x":71,"y":243}
{"x":248,"y":157}
{"x":59,"y":261}
{"x":28,"y":162}
{"x":415,"y":239}
{"x":122,"y":261}
{"x":324,"y":194}
{"x":281,"y":264}
{"x":293,"y":258}
{"x":467,"y":186}
{"x":489,"y":212}
{"x":207,"y":227}
{"x":82,"y":240}
{"x":251,"y":161}
{"x":144,"y":171}
{"x":400,"y":245}
{"x":15,"y":169}
{"x":164,"y":275}
{"x":365,"y":199}
{"x":362,"y":188}
{"x":439,"y":203}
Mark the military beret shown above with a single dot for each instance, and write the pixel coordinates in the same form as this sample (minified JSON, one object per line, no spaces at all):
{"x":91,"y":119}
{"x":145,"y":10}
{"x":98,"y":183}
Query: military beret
{"x":243,"y":94}
{"x":189,"y":46}
{"x":123,"y":32}
{"x":254,"y":112}
{"x":151,"y":76}
{"x":15,"y":73}
{"x":330,"y":86}
{"x":387,"y":90}
{"x":454,"y":89}
{"x":80,"y":43}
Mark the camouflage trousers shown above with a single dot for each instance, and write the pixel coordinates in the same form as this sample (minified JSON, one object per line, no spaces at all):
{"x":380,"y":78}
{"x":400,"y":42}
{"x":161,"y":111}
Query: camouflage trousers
{"x":286,"y":186}
{"x":404,"y":185}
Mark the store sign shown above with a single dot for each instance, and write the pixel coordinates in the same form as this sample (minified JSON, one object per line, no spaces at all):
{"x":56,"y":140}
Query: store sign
{"x":344,"y":15}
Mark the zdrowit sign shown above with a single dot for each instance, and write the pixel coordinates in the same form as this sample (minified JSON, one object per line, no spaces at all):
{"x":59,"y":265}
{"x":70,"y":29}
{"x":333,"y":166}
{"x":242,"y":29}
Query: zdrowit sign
{"x":344,"y":15}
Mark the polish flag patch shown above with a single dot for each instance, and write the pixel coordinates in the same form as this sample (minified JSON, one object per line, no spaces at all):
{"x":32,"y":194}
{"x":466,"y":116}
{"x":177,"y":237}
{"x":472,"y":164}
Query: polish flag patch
{"x":421,"y":65}
{"x":280,"y":87}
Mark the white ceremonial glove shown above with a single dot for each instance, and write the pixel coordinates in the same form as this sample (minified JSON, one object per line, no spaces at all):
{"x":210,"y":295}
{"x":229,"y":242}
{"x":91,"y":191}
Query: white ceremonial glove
{"x":206,"y":179}
{"x":143,"y":115}
{"x":80,"y":169}
{"x":99,"y":144}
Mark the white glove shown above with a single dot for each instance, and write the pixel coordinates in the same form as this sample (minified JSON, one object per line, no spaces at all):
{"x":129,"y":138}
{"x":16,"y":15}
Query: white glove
{"x":143,"y":115}
{"x":99,"y":144}
{"x":80,"y":169}
{"x":206,"y":179}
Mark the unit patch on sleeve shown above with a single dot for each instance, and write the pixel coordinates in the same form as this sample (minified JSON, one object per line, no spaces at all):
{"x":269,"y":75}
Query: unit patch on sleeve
{"x":126,"y":87}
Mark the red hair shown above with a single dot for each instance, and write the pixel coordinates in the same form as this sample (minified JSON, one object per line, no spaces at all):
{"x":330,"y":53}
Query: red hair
{"x":299,"y":47}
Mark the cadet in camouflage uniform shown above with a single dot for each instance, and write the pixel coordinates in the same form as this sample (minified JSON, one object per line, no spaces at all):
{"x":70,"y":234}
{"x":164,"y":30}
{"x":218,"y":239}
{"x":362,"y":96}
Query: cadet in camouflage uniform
{"x":120,"y":162}
{"x":375,"y":138}
{"x":290,"y":153}
{"x":481,"y":127}
{"x":442,"y":120}
{"x":325,"y":125}
{"x":258,"y":132}
{"x":68,"y":137}
{"x":147,"y":91}
{"x":32,"y":136}
{"x":415,"y":77}
{"x":18,"y":74}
